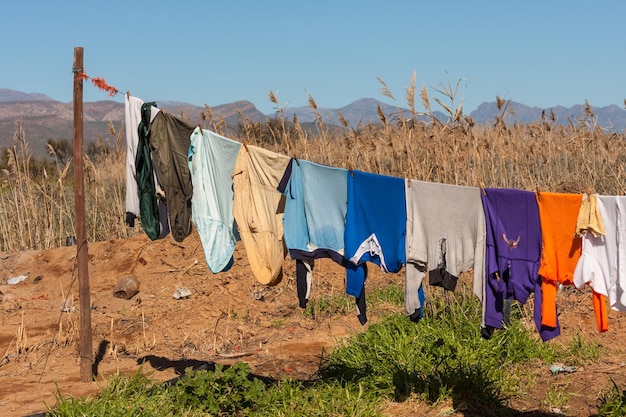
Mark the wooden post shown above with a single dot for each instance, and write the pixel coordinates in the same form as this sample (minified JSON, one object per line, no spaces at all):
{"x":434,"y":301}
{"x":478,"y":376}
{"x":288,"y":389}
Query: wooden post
{"x":86,"y":361}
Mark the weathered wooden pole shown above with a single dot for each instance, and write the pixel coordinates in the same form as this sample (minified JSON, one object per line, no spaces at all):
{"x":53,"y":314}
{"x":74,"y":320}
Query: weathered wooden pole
{"x":86,"y":361}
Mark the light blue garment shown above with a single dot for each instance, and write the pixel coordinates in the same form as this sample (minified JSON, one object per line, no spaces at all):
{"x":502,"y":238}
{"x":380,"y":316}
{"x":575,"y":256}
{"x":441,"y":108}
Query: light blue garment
{"x":211,"y":162}
{"x":315,"y":210}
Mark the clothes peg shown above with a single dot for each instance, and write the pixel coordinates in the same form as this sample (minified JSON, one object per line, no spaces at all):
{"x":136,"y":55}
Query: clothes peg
{"x":482,"y":188}
{"x":538,"y":194}
{"x":128,"y":94}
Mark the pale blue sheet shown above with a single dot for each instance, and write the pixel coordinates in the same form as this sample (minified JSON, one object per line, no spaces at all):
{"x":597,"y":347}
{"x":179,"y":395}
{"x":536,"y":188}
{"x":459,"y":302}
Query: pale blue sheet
{"x":211,"y":161}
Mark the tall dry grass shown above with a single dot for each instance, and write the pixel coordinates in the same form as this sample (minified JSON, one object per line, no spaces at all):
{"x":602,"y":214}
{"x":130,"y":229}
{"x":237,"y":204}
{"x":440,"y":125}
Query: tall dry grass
{"x":578,"y":157}
{"x":38,"y":212}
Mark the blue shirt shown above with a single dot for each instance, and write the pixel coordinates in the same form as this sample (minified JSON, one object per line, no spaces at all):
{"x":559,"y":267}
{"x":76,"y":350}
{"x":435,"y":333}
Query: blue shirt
{"x":375,"y":225}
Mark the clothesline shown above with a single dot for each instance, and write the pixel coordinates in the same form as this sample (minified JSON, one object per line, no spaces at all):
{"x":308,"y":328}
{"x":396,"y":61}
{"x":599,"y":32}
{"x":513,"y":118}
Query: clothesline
{"x":355,"y":217}
{"x":101,"y":84}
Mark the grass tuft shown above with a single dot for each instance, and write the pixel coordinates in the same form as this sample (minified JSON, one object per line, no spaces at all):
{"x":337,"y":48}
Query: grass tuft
{"x":612,"y":403}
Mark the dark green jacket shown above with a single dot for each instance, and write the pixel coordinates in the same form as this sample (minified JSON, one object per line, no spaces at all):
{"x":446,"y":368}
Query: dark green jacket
{"x":169,"y":142}
{"x":148,"y":204}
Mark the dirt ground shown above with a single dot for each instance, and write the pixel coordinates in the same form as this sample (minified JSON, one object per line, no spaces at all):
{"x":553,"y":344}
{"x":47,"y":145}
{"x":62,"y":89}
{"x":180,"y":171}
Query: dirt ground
{"x":229,"y":317}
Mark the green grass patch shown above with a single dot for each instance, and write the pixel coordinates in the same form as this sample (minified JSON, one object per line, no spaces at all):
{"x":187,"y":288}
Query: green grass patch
{"x":223,"y":392}
{"x":326,"y":306}
{"x":612,"y":403}
{"x":579,"y":352}
{"x":441,"y":357}
{"x":391,"y":294}
{"x":134,"y":395}
{"x":321,"y":398}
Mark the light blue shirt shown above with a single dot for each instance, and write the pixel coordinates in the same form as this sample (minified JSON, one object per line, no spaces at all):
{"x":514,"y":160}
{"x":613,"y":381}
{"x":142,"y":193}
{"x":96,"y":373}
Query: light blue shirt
{"x":211,"y":162}
{"x":315,"y":210}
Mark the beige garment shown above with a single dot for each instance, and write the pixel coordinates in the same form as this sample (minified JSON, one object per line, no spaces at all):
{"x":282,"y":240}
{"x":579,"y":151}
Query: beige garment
{"x":258,"y":209}
{"x":589,"y":219}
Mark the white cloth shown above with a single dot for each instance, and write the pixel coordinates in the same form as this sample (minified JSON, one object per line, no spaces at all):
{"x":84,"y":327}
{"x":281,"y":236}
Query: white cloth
{"x":132,"y":117}
{"x":372,"y":246}
{"x":602,"y":263}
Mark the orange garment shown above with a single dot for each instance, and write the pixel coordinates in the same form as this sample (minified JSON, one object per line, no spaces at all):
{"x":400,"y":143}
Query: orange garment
{"x":601,"y":311}
{"x":560,"y":251}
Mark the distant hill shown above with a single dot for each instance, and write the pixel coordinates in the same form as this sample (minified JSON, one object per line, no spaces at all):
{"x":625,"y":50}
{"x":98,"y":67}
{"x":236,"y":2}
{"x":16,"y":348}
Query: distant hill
{"x":358,"y":112}
{"x":610,"y":117}
{"x":13,"y":95}
{"x":49,"y":119}
{"x":44,"y":118}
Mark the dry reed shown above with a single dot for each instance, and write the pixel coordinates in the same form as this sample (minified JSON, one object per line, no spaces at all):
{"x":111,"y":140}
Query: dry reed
{"x":38,"y":212}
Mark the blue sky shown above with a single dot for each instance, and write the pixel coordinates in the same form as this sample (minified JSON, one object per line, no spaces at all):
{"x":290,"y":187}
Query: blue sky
{"x":538,"y":52}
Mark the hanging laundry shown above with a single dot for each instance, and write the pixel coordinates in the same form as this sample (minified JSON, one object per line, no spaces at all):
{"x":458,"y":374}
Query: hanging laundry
{"x":601,"y":264}
{"x":315,"y":216}
{"x":258,"y":210}
{"x":589,"y":217}
{"x":375,"y":229}
{"x":211,"y":161}
{"x":169,"y":143}
{"x":617,"y":284}
{"x":445,"y":235}
{"x":304,"y":272}
{"x":558,"y":214}
{"x":142,"y":188}
{"x":132,"y":117}
{"x":513,"y":255}
{"x":315,"y":210}
{"x":593,"y":267}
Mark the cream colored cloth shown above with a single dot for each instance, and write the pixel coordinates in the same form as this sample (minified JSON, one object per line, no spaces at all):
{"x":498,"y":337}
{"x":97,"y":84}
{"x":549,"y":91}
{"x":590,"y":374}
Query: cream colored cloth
{"x":589,"y":218}
{"x":258,"y":209}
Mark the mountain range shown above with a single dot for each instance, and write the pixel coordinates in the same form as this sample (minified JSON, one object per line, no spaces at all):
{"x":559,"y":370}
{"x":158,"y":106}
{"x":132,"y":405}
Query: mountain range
{"x":44,"y":118}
